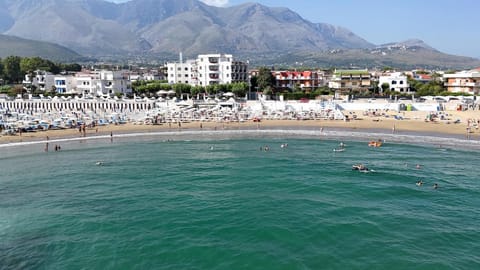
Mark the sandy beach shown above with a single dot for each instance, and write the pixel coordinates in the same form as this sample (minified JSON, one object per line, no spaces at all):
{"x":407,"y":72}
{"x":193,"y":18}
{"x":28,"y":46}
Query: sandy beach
{"x":412,"y":122}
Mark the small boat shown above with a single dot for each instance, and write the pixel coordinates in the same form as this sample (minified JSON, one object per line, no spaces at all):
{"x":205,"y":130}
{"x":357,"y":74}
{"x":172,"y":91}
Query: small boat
{"x":338,"y":149}
{"x":99,"y":163}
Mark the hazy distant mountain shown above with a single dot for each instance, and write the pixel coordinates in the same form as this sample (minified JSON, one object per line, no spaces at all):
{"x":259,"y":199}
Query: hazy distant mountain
{"x":100,"y":27}
{"x":28,"y":48}
{"x":159,"y":28}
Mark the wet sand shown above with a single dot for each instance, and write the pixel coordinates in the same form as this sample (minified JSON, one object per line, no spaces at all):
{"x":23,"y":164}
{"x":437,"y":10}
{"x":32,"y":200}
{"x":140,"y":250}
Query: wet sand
{"x":412,"y":123}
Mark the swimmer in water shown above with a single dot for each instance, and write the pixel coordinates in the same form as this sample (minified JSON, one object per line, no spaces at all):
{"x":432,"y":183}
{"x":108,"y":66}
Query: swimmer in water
{"x":419,"y":183}
{"x":435,"y":186}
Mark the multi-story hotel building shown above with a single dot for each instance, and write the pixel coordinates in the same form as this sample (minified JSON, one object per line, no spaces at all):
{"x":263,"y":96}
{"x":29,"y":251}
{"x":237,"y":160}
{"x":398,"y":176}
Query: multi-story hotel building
{"x":463,"y":82}
{"x":306,"y":80}
{"x":208,"y":69}
{"x":350,"y":80}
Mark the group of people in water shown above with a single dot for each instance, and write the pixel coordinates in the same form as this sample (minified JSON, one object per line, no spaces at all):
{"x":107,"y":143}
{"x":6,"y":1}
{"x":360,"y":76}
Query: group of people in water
{"x":420,"y":183}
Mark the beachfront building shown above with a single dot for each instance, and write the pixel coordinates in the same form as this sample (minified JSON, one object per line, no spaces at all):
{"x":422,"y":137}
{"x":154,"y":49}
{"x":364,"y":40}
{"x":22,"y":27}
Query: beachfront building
{"x":104,"y":83}
{"x":239,"y":71}
{"x":181,"y":72}
{"x":346,"y":80}
{"x":214,"y":69}
{"x":207,"y":69}
{"x":306,"y":80}
{"x":396,"y":81}
{"x":64,"y":84}
{"x":110,"y":83}
{"x":86,"y":83}
{"x":463,"y":82}
{"x":40,"y":80}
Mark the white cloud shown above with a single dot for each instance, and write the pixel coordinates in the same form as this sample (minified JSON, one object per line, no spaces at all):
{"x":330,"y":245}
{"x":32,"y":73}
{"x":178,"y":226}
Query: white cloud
{"x":217,"y":3}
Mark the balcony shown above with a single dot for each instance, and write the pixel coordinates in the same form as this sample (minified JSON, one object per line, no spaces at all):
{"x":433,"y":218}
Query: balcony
{"x":456,"y":84}
{"x":213,"y":60}
{"x":213,"y":76}
{"x":213,"y":68}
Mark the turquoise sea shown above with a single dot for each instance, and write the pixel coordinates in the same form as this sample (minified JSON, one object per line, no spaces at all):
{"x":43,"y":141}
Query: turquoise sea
{"x":220,"y":202}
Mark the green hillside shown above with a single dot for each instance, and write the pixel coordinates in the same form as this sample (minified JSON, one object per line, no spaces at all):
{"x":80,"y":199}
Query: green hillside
{"x":10,"y":45}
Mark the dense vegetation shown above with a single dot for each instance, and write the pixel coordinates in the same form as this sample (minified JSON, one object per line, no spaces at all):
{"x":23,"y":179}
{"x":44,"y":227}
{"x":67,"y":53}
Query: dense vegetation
{"x":14,"y":68}
{"x":151,"y":88}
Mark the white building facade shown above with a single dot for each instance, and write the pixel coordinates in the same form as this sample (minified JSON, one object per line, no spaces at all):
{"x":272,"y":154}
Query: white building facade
{"x":208,"y":69}
{"x":397,"y":82}
{"x":180,"y":72}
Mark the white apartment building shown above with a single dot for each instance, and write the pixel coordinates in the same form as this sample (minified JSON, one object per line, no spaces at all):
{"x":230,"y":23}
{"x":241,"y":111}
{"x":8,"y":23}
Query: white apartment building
{"x":96,"y":83}
{"x":112,"y":82}
{"x":397,"y":82}
{"x":181,"y":72}
{"x":208,"y":69}
{"x":86,"y":83}
{"x":214,"y":69}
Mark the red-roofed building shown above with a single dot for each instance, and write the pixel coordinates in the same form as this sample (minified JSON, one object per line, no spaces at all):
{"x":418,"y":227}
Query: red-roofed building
{"x":306,"y":80}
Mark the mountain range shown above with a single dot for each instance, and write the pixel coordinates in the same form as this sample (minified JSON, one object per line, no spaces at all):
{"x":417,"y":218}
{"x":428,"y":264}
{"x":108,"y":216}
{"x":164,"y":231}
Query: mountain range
{"x":99,"y":28}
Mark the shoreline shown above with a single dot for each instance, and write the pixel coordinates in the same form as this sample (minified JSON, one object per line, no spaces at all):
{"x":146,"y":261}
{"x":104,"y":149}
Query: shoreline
{"x":365,"y":127}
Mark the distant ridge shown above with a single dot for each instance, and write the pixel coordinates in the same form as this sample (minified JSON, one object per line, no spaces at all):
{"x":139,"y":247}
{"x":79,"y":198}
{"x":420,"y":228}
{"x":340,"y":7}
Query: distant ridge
{"x":10,"y":45}
{"x":145,"y":30}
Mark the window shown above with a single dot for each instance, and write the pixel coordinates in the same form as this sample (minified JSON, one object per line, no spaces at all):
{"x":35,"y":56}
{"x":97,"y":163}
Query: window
{"x":394,"y":82}
{"x":179,"y":69}
{"x":186,"y":69}
{"x":401,"y":82}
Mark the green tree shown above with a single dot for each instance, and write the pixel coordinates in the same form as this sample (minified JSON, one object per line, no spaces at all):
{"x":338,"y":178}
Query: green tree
{"x":197,"y":90}
{"x":211,"y":89}
{"x":221,"y":88}
{"x":71,"y":67}
{"x":239,"y":89}
{"x":12,"y":70}
{"x":385,"y":87}
{"x":265,"y":79}
{"x":1,"y":68}
{"x":181,"y":88}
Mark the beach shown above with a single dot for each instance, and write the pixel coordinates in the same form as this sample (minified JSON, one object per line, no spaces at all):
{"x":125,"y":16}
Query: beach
{"x":410,"y":122}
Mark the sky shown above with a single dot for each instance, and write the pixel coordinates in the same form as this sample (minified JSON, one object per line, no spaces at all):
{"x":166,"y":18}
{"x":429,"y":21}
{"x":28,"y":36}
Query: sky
{"x":449,"y":26}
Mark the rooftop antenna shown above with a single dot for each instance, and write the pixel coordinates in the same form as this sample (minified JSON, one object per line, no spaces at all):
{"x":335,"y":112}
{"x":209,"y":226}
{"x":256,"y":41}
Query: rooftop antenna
{"x":181,"y":58}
